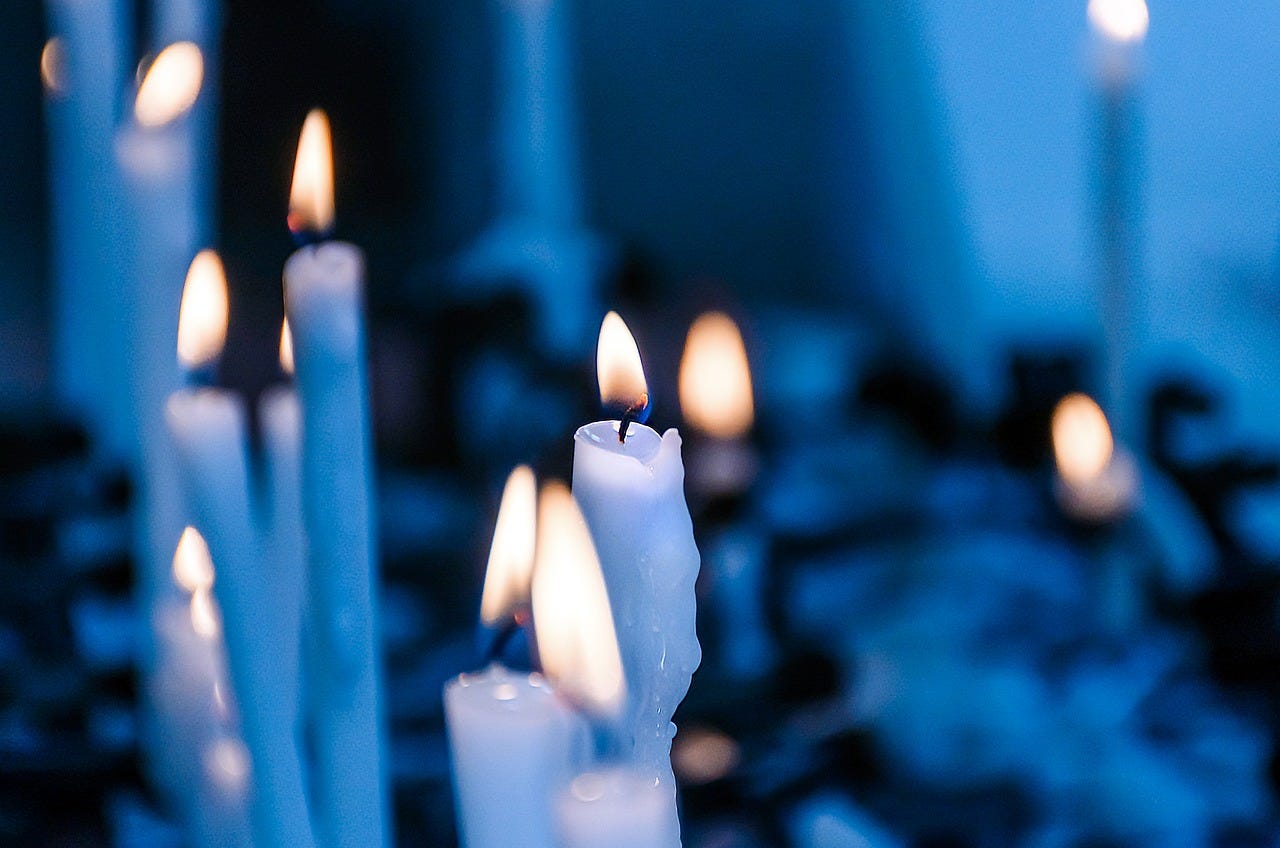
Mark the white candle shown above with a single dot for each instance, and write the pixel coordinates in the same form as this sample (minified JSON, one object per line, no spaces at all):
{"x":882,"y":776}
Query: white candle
{"x":632,"y":494}
{"x":511,"y":743}
{"x":209,"y":433}
{"x":83,"y":67}
{"x":1119,"y":28}
{"x":324,"y":290}
{"x":511,"y":740}
{"x":284,"y":537}
{"x":617,"y":808}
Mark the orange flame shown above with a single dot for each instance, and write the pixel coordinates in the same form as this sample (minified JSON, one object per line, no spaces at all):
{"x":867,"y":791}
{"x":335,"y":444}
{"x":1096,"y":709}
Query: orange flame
{"x":715,"y":380}
{"x":311,"y":195}
{"x":171,"y":85}
{"x":507,"y":579}
{"x":202,"y":317}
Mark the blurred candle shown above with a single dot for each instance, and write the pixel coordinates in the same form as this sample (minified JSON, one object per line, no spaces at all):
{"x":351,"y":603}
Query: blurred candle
{"x":511,"y":740}
{"x":629,"y":482}
{"x":717,"y":402}
{"x":208,"y":429}
{"x":1119,"y":28}
{"x":1097,"y":482}
{"x":284,"y":536}
{"x":324,"y":293}
{"x":83,"y":70}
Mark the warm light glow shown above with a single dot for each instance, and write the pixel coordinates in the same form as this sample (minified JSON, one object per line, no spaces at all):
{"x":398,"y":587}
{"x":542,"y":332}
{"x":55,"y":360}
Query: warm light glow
{"x":1082,"y":442}
{"x":715,"y":381}
{"x":205,"y":620}
{"x":703,"y":755}
{"x":506,"y":582}
{"x":572,"y":621}
{"x":1120,"y":20}
{"x":311,"y":196}
{"x":286,"y":348}
{"x":192,"y":565}
{"x":202,"y":318}
{"x":618,"y":366}
{"x":171,"y":85}
{"x":52,"y":66}
{"x":227,"y":762}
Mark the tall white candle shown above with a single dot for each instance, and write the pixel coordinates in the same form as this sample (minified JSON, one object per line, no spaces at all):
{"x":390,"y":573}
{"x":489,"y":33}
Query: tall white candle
{"x":83,"y":65}
{"x":324,"y":291}
{"x":617,"y":808}
{"x":1119,"y":28}
{"x":209,"y":433}
{"x":284,"y":537}
{"x":631,"y":490}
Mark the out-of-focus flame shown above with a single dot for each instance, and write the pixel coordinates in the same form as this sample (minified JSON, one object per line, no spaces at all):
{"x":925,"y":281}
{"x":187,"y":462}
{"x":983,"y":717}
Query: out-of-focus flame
{"x":703,"y":755}
{"x":715,"y":380}
{"x":192,"y":565}
{"x":311,"y":195}
{"x":205,"y":620}
{"x":227,"y":763}
{"x":618,"y":367}
{"x":286,"y":348}
{"x":1082,"y":442}
{"x":1123,"y":21}
{"x":53,"y":66}
{"x":572,"y":621}
{"x":506,"y":582}
{"x":202,"y":317}
{"x":171,"y":85}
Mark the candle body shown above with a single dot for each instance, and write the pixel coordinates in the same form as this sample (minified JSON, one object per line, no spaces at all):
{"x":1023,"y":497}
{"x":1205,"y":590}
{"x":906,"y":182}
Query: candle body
{"x":618,"y":808}
{"x":512,"y":743}
{"x":632,"y":496}
{"x":208,"y":430}
{"x":323,"y":296}
{"x":286,"y":544}
{"x":83,"y":195}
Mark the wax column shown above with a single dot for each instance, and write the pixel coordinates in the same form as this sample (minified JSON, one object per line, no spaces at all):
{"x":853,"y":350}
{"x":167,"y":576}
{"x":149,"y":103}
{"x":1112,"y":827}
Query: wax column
{"x":1119,"y":28}
{"x":208,"y":430}
{"x":324,"y":290}
{"x":629,"y":482}
{"x":511,"y":738}
{"x":610,"y":801}
{"x":284,"y":537}
{"x":717,"y":402}
{"x":154,"y":155}
{"x":83,"y":67}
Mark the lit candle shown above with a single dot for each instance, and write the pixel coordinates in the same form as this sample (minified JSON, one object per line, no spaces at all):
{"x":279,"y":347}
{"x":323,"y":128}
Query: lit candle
{"x":716,"y":400}
{"x":324,"y":291}
{"x":208,"y":429}
{"x":609,"y":802}
{"x":511,"y":740}
{"x":629,"y":482}
{"x":83,"y":69}
{"x":1119,"y":28}
{"x":1097,"y":482}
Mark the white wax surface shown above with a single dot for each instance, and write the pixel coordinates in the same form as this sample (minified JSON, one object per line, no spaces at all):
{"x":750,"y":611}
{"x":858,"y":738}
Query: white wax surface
{"x":323,"y":296}
{"x":284,"y":571}
{"x":209,"y":432}
{"x":632,"y":496}
{"x":512,"y":743}
{"x":617,"y":808}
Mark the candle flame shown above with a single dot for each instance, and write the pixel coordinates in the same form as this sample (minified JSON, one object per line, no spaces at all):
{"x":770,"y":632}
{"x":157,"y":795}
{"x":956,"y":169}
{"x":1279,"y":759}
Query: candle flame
{"x":53,"y":65}
{"x":202,"y":317}
{"x":205,"y":620}
{"x":311,"y":195}
{"x":1124,"y":21}
{"x":286,"y":347}
{"x":228,"y":763}
{"x":715,"y":380}
{"x":618,"y":366}
{"x":506,"y":581}
{"x":171,"y":85}
{"x":572,"y":621}
{"x":192,"y":564}
{"x":1082,"y":442}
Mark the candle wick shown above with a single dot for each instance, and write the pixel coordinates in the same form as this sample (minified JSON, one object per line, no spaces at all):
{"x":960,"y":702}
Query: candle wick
{"x":500,"y":642}
{"x":629,"y":415}
{"x":308,"y":237}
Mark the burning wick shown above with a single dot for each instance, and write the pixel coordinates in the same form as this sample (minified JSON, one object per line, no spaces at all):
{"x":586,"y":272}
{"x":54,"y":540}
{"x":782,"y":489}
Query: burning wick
{"x":518,"y":619}
{"x":631,"y":413}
